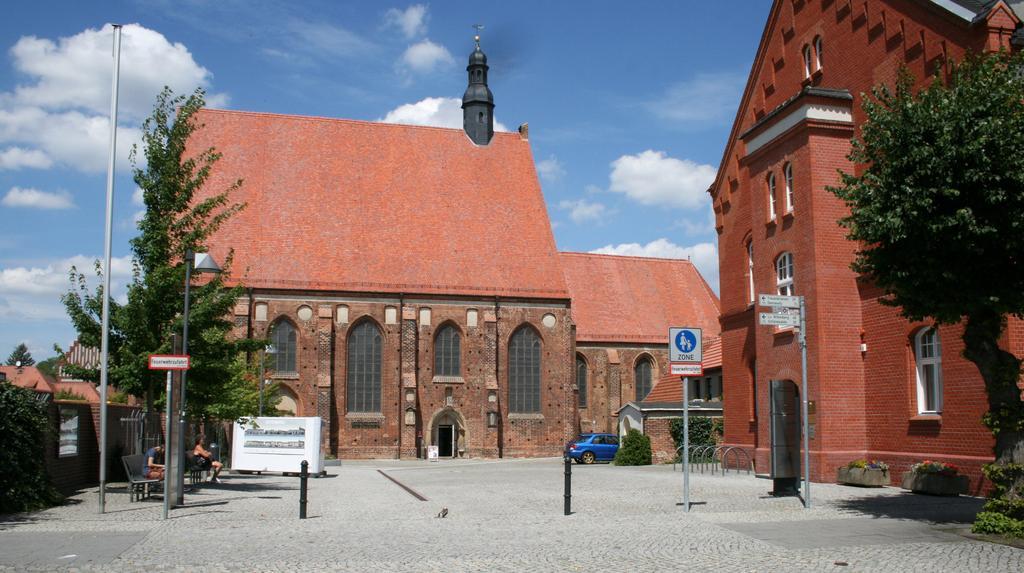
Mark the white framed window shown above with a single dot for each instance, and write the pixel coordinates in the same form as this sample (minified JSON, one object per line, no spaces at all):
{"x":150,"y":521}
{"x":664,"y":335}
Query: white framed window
{"x":928,"y":359}
{"x":817,"y":53}
{"x":784,"y":274}
{"x":772,"y":212}
{"x":807,"y":61}
{"x":787,"y":173}
{"x":750,"y":272}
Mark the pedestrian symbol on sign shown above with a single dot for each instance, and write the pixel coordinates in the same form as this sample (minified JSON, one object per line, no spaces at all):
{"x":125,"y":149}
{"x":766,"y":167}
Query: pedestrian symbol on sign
{"x":686,"y":341}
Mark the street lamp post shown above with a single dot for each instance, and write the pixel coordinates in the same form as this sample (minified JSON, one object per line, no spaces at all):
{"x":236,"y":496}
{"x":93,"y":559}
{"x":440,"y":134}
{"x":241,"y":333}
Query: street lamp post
{"x":202,"y":263}
{"x":263,"y":379}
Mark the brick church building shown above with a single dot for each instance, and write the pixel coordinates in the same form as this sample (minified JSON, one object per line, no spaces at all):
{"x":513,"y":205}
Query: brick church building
{"x":408,"y":279}
{"x":881,"y":387}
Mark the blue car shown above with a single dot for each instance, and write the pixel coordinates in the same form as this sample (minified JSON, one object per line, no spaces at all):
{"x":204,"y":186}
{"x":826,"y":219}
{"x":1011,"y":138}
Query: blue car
{"x":590,"y":448}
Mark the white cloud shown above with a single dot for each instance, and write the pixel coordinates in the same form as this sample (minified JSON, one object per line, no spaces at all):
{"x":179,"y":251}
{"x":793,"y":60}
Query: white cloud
{"x":550,"y":169}
{"x":701,"y":100}
{"x":36,"y":199}
{"x":412,"y":21}
{"x":62,"y":111}
{"x":33,"y":293}
{"x":583,"y":211}
{"x":426,"y":56}
{"x":137,"y":197}
{"x":434,"y":111}
{"x":17,"y":157}
{"x":653,"y":178}
{"x":703,"y":255}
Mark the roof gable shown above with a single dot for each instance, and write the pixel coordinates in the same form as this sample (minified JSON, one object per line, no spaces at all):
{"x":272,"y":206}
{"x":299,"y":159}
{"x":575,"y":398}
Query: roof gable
{"x":345,"y":205}
{"x":637,"y":299}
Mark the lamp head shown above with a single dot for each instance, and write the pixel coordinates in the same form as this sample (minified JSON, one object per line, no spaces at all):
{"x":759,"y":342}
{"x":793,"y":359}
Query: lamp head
{"x":204,"y":263}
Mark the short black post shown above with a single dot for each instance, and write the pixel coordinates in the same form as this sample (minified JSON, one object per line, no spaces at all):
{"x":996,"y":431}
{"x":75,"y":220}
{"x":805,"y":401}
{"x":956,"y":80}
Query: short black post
{"x":303,"y":481}
{"x":568,"y":485}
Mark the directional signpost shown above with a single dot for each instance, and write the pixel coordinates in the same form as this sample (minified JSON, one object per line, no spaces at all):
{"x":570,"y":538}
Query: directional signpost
{"x":790,"y":311}
{"x":685,"y":356}
{"x":168,"y":362}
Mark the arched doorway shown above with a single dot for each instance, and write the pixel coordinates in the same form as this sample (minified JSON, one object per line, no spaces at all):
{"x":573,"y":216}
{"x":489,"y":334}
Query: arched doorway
{"x":448,"y":433}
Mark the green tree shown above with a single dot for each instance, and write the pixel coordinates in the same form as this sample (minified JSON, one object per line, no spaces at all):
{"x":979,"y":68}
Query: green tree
{"x":174,"y":222}
{"x":24,"y":484}
{"x":938,"y":211}
{"x":49,"y":366}
{"x":21,"y":356}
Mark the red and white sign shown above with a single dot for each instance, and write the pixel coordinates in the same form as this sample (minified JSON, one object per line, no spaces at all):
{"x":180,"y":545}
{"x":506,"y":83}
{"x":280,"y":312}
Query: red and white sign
{"x":687,"y":369}
{"x":169,"y":362}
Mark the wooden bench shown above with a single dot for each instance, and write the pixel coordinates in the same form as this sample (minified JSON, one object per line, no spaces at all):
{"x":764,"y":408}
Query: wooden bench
{"x":138,"y":485}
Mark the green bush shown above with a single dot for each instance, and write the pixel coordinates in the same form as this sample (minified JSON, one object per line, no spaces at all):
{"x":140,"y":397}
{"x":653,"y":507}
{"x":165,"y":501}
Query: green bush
{"x":704,"y":431}
{"x":69,"y":395}
{"x":25,"y":426}
{"x":634,"y":451}
{"x":991,"y":522}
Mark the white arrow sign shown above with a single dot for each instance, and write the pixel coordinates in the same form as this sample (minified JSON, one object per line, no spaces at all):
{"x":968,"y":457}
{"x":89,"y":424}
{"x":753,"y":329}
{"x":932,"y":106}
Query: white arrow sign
{"x":778,"y":300}
{"x":773,"y":319}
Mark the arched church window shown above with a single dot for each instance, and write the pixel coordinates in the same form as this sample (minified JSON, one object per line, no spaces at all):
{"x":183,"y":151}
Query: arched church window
{"x":581,"y":381}
{"x":448,"y":352}
{"x":283,"y":338}
{"x":364,"y":368}
{"x":642,"y":377}
{"x":524,"y":371}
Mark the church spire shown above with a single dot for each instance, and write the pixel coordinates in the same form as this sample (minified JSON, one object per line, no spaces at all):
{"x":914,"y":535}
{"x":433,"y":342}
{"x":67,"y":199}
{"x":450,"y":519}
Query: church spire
{"x":478,"y":101}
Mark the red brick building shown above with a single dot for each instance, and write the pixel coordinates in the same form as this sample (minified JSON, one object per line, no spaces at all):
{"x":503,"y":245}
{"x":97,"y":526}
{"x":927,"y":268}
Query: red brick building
{"x":882,"y":387}
{"x":408,"y":279}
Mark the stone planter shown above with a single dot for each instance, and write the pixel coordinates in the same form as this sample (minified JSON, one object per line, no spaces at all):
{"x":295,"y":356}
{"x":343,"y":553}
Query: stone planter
{"x":935,"y":484}
{"x":864,"y":477}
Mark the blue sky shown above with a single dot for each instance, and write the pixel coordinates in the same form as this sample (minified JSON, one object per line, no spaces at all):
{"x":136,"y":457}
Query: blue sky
{"x":629,"y":105}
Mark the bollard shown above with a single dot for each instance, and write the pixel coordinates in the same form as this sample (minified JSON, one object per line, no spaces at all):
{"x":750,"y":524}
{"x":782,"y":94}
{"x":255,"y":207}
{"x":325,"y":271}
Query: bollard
{"x":303,"y":481}
{"x":568,"y":485}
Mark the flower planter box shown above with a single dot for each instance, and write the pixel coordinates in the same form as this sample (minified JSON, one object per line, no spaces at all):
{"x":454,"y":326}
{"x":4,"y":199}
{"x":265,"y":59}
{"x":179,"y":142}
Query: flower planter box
{"x":935,"y":484}
{"x":864,"y":477}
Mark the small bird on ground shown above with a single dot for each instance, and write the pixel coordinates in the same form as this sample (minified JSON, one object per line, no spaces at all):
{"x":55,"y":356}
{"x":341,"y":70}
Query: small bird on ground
{"x":443,"y":513}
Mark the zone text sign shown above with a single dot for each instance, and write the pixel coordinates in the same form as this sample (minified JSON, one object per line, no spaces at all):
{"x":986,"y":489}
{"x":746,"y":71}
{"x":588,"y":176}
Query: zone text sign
{"x":779,"y":300}
{"x":168,"y":362}
{"x":684,"y":345}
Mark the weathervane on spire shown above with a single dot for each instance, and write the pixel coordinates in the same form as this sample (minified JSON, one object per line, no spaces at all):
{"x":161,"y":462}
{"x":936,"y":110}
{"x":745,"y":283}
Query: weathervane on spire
{"x":476,"y":38}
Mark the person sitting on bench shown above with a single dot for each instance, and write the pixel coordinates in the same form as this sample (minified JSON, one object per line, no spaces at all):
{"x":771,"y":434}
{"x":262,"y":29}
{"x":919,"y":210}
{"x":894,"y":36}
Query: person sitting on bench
{"x":151,"y":469}
{"x":204,"y":458}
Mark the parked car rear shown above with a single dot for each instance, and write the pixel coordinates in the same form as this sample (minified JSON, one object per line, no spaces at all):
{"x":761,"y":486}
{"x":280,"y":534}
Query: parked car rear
{"x":590,"y":448}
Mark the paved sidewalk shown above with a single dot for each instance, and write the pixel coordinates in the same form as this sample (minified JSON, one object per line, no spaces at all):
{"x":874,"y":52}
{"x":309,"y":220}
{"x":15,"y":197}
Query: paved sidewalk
{"x":505,"y":516}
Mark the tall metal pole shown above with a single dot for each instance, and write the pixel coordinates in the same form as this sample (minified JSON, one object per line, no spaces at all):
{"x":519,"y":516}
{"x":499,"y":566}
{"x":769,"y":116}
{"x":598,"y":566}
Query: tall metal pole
{"x":107,"y":237}
{"x":263,"y":360}
{"x":803,"y":391}
{"x":686,"y":444}
{"x":190,"y":258}
{"x":167,"y":451}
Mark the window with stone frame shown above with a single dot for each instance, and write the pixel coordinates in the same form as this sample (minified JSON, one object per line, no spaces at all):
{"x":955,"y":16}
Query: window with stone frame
{"x":284,"y":340}
{"x":524,"y":367}
{"x":363,"y":368}
{"x":642,"y":373}
{"x":751,"y":290}
{"x":784,"y":274}
{"x":581,"y":381}
{"x":787,"y":172}
{"x":448,"y":352}
{"x":818,"y":56}
{"x":772,"y":210}
{"x":807,"y":61}
{"x":928,"y":362}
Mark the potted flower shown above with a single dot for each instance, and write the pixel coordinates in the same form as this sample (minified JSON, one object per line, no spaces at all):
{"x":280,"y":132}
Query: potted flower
{"x":865,"y":473}
{"x":935,"y":478}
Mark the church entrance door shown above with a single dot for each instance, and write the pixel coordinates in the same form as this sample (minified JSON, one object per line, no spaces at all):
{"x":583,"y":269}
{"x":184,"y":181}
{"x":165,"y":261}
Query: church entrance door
{"x":445,"y":439}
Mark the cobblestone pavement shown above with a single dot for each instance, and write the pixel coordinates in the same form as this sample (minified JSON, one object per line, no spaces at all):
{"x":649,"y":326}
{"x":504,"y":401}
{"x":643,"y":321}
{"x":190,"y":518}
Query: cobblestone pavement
{"x":505,"y":516}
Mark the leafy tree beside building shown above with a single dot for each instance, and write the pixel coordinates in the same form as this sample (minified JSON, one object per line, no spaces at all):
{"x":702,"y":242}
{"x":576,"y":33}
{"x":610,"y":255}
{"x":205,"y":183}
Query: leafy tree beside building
{"x":938,"y":210}
{"x":20,"y":356}
{"x":173,"y":223}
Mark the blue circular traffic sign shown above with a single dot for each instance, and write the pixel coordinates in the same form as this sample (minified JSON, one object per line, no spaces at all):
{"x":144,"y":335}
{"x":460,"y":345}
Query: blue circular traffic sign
{"x":686,"y":341}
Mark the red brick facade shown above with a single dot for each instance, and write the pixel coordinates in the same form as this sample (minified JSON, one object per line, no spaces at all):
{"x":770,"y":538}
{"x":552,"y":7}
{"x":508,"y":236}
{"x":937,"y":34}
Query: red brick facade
{"x":865,"y":402}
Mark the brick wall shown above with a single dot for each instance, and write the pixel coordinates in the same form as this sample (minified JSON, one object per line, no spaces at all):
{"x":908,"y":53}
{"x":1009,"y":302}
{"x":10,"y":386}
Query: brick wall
{"x":865,"y":402}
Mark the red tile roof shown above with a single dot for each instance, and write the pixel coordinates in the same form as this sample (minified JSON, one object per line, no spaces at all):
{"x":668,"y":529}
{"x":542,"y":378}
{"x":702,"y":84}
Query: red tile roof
{"x":637,"y":299}
{"x":363,"y":206}
{"x":27,"y":377}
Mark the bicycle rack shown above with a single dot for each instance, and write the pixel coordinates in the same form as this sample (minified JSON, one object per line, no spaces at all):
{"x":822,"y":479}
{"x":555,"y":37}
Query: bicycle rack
{"x":715,"y":457}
